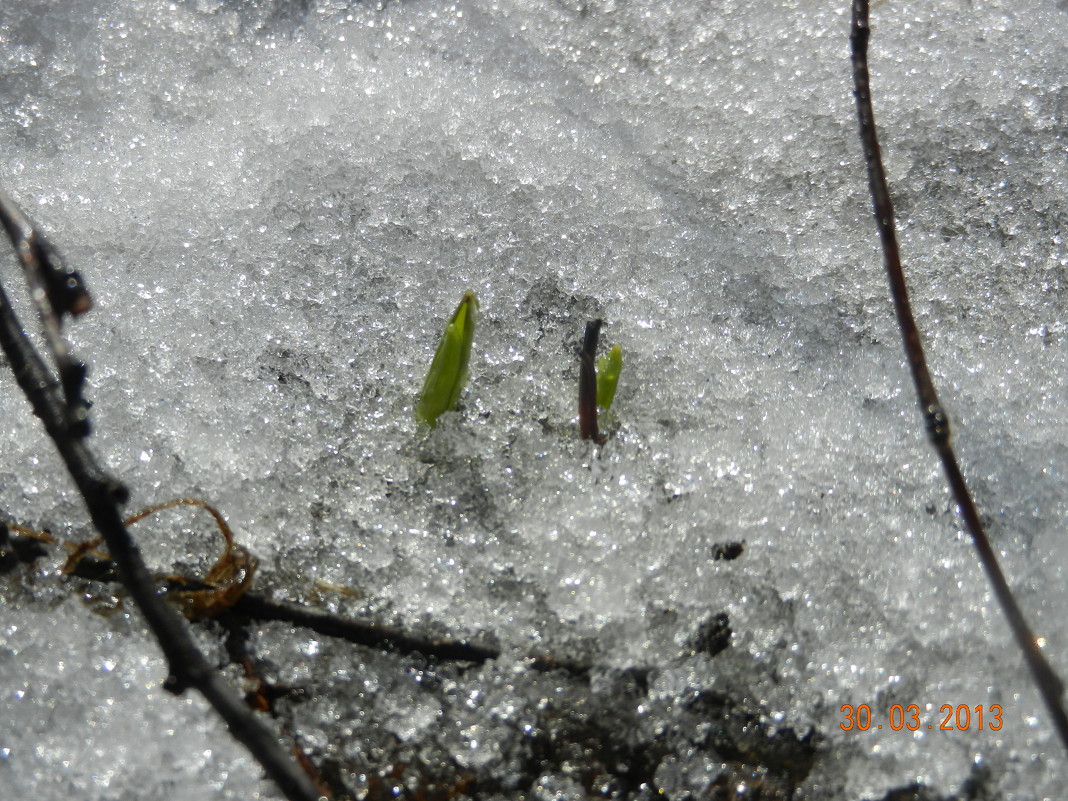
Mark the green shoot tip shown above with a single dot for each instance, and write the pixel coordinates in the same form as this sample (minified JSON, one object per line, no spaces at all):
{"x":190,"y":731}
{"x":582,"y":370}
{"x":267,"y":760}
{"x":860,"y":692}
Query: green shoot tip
{"x":448,"y":372}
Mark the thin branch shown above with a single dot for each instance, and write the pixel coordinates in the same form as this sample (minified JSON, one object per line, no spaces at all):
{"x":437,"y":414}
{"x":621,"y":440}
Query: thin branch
{"x":57,"y":290}
{"x":936,"y":422}
{"x":25,"y":545}
{"x":392,"y":638}
{"x":102,"y":495}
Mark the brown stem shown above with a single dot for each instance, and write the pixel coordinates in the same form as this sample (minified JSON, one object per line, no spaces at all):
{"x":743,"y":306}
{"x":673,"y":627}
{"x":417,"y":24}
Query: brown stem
{"x":588,"y":382}
{"x":936,"y":422}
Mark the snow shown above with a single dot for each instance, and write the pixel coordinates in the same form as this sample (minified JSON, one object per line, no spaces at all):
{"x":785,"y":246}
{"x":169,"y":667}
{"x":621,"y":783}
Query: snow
{"x":278,"y":204}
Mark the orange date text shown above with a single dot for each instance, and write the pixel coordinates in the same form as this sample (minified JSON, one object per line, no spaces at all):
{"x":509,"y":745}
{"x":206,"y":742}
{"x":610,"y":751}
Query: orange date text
{"x":960,"y":717}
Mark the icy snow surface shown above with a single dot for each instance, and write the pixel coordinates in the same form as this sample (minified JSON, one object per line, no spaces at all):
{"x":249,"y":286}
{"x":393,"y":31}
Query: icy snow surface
{"x":277,"y":205}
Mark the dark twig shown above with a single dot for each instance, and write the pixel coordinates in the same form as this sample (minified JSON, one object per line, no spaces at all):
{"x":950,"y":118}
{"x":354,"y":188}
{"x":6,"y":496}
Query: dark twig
{"x":388,"y":637}
{"x":935,"y":420}
{"x":188,"y":667}
{"x":25,"y":547}
{"x":57,"y":290}
{"x":261,"y":694}
{"x":588,"y":382}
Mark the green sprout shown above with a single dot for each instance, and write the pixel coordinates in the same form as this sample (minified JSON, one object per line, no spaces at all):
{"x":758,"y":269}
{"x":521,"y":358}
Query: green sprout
{"x":448,"y":372}
{"x":608,"y":368}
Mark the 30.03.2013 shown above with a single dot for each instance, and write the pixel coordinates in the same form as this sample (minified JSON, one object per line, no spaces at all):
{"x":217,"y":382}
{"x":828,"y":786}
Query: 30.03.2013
{"x":960,"y":717}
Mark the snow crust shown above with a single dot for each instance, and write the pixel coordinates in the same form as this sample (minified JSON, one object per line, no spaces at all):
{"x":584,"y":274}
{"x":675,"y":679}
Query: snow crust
{"x":278,"y":204}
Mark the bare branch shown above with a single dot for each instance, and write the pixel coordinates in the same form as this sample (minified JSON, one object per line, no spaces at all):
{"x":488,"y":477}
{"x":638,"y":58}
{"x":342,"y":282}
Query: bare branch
{"x":67,"y":426}
{"x":27,"y":545}
{"x":935,"y":420}
{"x":393,"y":638}
{"x":56,"y":290}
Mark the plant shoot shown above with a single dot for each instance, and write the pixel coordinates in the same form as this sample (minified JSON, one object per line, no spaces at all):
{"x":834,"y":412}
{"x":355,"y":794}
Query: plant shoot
{"x":608,"y":368}
{"x":448,"y":372}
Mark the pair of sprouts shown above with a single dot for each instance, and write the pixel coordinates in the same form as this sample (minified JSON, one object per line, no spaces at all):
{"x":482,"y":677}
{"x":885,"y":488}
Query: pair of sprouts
{"x":448,"y":371}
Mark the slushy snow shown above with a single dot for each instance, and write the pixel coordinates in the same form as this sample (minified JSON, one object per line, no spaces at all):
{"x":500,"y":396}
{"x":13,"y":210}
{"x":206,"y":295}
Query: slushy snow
{"x":277,"y":205}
